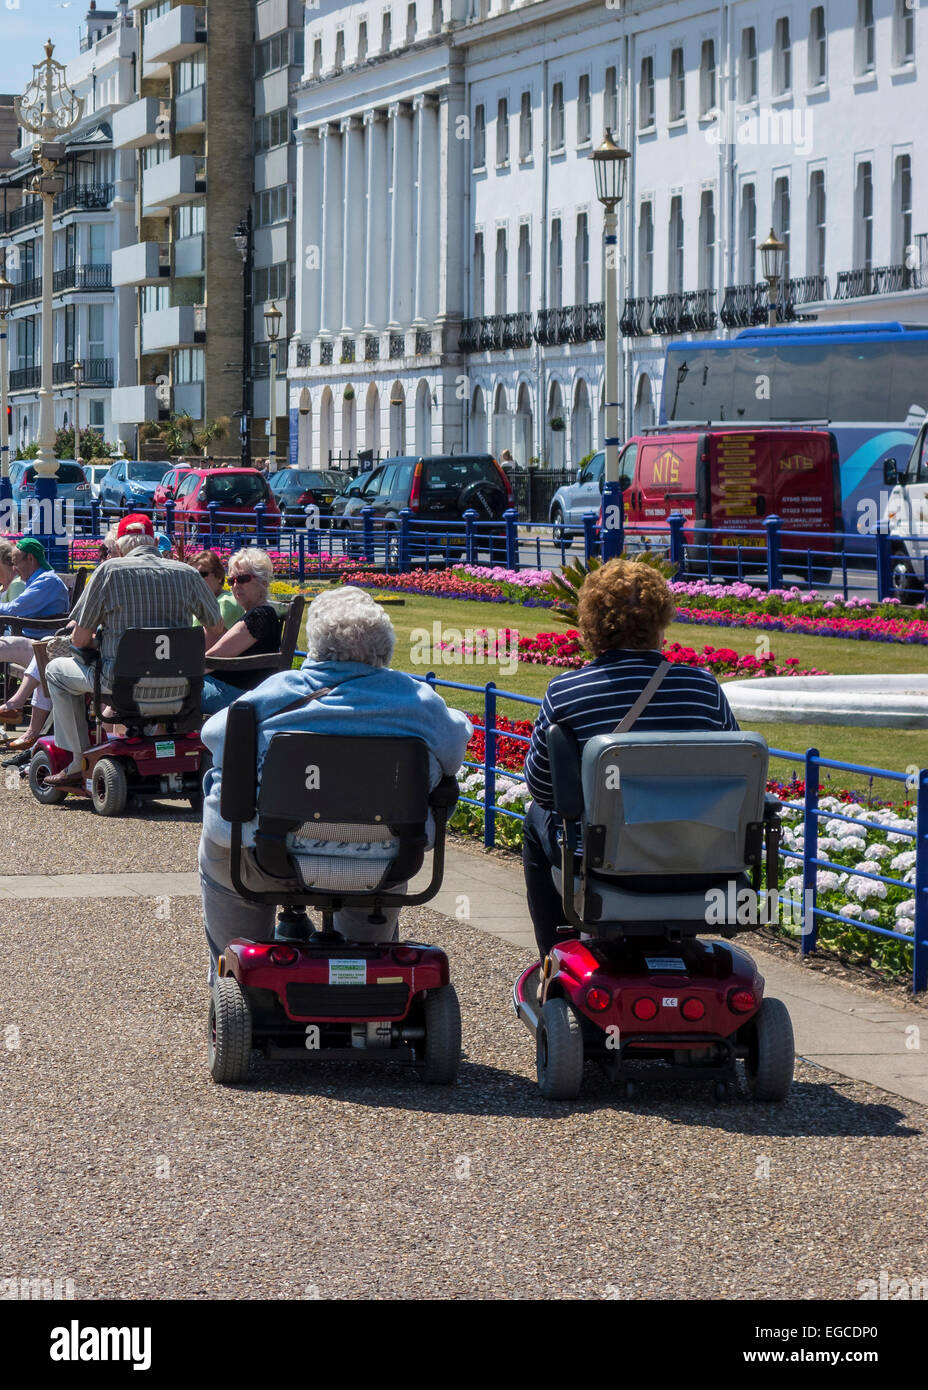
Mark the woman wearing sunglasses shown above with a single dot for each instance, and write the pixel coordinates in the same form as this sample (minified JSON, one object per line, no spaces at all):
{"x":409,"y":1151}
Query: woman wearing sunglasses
{"x":210,"y":569}
{"x":257,"y":632}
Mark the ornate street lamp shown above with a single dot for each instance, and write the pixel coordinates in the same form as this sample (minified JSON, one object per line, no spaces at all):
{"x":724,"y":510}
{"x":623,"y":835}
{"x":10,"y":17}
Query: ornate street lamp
{"x":772,"y":253}
{"x":272,"y":318}
{"x":6,"y":300}
{"x":77,"y":371}
{"x":610,"y":165}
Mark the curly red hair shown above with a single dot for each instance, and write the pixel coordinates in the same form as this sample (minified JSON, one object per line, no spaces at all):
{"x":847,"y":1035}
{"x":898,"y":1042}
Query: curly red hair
{"x":624,"y":605}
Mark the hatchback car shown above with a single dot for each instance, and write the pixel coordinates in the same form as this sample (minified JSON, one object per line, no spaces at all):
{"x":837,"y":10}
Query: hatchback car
{"x":131,"y":483}
{"x":298,"y":488}
{"x":71,"y":480}
{"x":435,"y":489}
{"x":168,"y":486}
{"x":95,"y":475}
{"x":236,"y":492}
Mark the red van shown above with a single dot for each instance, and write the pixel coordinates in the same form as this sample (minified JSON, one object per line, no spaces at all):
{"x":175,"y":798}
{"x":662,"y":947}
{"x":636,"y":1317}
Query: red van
{"x":724,"y":480}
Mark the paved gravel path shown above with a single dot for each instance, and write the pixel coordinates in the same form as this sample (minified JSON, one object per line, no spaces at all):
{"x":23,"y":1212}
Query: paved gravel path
{"x":127,"y":1170}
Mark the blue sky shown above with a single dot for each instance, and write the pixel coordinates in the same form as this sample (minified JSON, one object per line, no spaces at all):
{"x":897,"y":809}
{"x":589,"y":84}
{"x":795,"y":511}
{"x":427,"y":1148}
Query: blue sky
{"x":24,"y":27}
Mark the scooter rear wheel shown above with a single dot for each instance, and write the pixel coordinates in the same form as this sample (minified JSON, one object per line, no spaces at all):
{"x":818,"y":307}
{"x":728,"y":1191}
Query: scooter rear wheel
{"x":771,"y":1052}
{"x":559,"y":1051}
{"x":40,"y":768}
{"x":228,"y":1032}
{"x":442,"y":1037}
{"x":109,"y":789}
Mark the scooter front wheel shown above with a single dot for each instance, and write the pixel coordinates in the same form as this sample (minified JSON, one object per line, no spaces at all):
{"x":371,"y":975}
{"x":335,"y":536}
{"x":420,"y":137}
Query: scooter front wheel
{"x":559,"y":1051}
{"x":39,"y":769}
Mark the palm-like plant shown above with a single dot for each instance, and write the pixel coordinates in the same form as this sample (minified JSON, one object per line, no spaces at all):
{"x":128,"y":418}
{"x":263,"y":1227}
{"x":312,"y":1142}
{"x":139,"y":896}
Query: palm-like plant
{"x":565,"y":587}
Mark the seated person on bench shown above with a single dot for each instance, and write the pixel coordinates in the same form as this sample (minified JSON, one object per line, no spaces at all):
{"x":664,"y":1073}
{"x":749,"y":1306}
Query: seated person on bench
{"x":256,"y":633}
{"x":623,"y":611}
{"x":344,"y":687}
{"x":141,"y":588}
{"x":45,"y":596}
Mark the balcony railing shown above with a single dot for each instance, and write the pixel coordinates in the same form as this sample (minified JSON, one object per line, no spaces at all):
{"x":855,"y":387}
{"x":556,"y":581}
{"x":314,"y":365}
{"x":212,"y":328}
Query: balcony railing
{"x":24,"y":216}
{"x":304,"y":355}
{"x":27,"y":289}
{"x":84,"y":195}
{"x":576,"y":323}
{"x":635,"y":319}
{"x":692,"y":311}
{"x":25,"y":378}
{"x":347,"y":350}
{"x":98,"y":371}
{"x":82,"y":277}
{"x":397,"y":345}
{"x":423,"y":341}
{"x":372,"y":348}
{"x":325,"y":353}
{"x":881,"y":279}
{"x":744,"y":305}
{"x":495,"y":333}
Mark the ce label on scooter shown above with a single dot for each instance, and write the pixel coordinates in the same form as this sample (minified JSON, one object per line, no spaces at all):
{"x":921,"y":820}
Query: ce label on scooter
{"x":670,"y":1002}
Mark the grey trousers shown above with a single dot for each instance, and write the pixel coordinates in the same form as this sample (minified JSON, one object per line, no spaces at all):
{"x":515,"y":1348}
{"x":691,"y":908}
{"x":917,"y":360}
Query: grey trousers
{"x":226,"y":915}
{"x":68,"y":682}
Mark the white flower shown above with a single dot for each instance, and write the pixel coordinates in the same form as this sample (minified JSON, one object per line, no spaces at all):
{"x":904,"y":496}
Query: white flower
{"x":906,"y":924}
{"x":827,"y":881}
{"x":908,"y":876}
{"x":906,"y":909}
{"x":879,"y":851}
{"x":849,"y":842}
{"x":864,"y":888}
{"x":870,"y":914}
{"x":851,"y":910}
{"x":868,"y":866}
{"x":830,"y":843}
{"x":905,"y":860}
{"x":793,"y":884}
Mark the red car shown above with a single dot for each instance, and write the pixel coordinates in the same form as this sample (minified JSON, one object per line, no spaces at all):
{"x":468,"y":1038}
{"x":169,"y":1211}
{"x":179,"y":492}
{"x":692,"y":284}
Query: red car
{"x":168,"y":487}
{"x":236,"y":492}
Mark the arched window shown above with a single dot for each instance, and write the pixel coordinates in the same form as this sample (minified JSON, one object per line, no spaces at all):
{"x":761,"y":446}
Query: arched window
{"x":372,"y":419}
{"x":423,"y":418}
{"x":581,"y":424}
{"x":326,"y":427}
{"x":397,"y":419}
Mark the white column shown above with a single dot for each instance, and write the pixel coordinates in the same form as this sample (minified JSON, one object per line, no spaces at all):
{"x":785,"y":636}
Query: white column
{"x":454,"y":172}
{"x":427,"y":210}
{"x":309,"y":265}
{"x":375,"y":278}
{"x":354,"y":224}
{"x":330,"y":314}
{"x":403,"y":203}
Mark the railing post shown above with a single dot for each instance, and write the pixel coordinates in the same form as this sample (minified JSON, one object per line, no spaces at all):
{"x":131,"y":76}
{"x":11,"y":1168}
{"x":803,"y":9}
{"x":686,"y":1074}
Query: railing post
{"x":920,"y":930}
{"x":169,"y":517}
{"x":470,"y":536}
{"x":772,"y":527}
{"x":884,"y":563}
{"x":94,"y":517}
{"x":489,"y":766}
{"x":301,"y":554}
{"x":677,"y":552}
{"x":367,"y":532}
{"x":810,"y":852}
{"x":613,"y":517}
{"x":260,"y":509}
{"x":213,"y":509}
{"x":589,"y":536}
{"x":403,"y":564}
{"x":511,"y":518}
{"x":311,"y":528}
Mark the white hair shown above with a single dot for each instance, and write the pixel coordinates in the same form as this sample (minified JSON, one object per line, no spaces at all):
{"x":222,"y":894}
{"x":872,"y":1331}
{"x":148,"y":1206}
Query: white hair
{"x":345,"y":624}
{"x":133,"y":537}
{"x":256,"y":562}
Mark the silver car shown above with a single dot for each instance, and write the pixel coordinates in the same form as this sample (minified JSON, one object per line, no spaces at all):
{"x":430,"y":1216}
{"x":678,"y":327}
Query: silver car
{"x":571,"y":502}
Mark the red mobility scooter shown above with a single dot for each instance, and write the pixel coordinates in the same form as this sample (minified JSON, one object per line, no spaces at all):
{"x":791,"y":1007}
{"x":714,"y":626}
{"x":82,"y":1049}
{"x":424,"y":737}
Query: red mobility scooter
{"x":157,"y":683}
{"x":674,"y":831}
{"x":339,"y":822}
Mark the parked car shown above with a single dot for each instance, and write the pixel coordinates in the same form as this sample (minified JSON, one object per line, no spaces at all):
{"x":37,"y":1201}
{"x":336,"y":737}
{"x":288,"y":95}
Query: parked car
{"x":905,"y":516}
{"x":237,"y":491}
{"x":95,"y":475}
{"x":570,"y":503}
{"x":297,"y":488}
{"x":71,"y":480}
{"x":168,"y":486}
{"x":131,"y":483}
{"x":438,"y":488}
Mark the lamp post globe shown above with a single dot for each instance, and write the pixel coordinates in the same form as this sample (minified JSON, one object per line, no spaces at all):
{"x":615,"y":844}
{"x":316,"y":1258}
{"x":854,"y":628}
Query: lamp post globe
{"x":772,"y":256}
{"x":610,"y":168}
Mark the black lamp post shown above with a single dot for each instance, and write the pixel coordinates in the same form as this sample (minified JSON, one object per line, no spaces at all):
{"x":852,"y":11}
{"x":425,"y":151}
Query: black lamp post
{"x":244,"y":240}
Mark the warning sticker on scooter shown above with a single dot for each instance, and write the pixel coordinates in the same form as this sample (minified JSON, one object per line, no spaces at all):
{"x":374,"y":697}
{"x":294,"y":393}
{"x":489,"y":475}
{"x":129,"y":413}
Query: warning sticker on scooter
{"x":665,"y":963}
{"x":347,"y":972}
{"x":164,"y":749}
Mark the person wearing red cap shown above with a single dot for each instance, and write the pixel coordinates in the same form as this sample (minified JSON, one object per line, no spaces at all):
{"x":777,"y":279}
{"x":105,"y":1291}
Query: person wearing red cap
{"x":141,"y":588}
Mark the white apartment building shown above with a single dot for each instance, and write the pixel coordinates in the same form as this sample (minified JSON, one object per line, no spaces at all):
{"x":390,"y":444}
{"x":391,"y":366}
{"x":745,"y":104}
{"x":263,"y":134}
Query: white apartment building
{"x":450,"y":286}
{"x":93,"y":217}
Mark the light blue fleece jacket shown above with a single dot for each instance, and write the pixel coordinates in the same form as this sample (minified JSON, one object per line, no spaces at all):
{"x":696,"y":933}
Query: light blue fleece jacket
{"x":373,"y":701}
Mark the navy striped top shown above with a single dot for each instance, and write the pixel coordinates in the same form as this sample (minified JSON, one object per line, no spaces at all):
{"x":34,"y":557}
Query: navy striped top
{"x":594,"y":699}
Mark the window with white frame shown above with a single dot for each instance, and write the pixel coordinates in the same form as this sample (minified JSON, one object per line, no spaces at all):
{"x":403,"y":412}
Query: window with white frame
{"x":438,"y":17}
{"x":340,"y":49}
{"x":557,"y":116}
{"x":865,"y":39}
{"x":272,"y":205}
{"x":863,"y":210}
{"x":362,"y":41}
{"x":707,"y":78}
{"x":748,"y":241}
{"x":189,"y":366}
{"x":707,"y":240}
{"x":903,"y":32}
{"x":782,"y":58}
{"x":747,"y":66}
{"x":271,"y":282}
{"x":96,"y":340}
{"x":582,"y":260}
{"x":525,"y":127}
{"x":525,"y":269}
{"x":902,"y":210}
{"x":556,"y":267}
{"x":677,"y":85}
{"x":501,"y":287}
{"x":480,"y":137}
{"x":386,"y":33}
{"x":317,"y":58}
{"x":478,"y":288}
{"x":675,"y":246}
{"x":645,"y":287}
{"x":97,"y":414}
{"x":584,"y":120}
{"x":502,"y":131}
{"x":611,"y":100}
{"x":781,"y":218}
{"x":818,"y":48}
{"x":96,"y":244}
{"x":815,"y":222}
{"x":412,"y":23}
{"x":646,"y":94}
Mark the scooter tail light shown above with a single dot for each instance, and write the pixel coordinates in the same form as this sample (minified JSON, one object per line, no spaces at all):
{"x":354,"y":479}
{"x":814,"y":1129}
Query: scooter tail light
{"x":692,"y":1009}
{"x":741,"y":1001}
{"x":405,"y":955}
{"x":644,"y":1009}
{"x":415,"y":492}
{"x":284,"y":955}
{"x":598,"y":998}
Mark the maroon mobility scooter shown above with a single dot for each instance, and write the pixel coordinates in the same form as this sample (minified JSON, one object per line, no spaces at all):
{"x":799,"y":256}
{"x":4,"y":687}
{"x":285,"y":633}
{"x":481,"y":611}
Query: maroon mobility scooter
{"x":339,"y":822}
{"x":674,"y":829}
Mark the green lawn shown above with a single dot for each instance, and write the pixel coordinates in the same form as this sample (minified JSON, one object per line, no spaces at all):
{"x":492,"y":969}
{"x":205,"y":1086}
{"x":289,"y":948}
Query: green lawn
{"x":895,"y":749}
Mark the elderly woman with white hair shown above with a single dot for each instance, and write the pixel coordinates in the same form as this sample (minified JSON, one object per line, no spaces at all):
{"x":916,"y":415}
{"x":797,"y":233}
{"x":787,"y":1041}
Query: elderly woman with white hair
{"x":257,"y":632}
{"x":345,"y":686}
